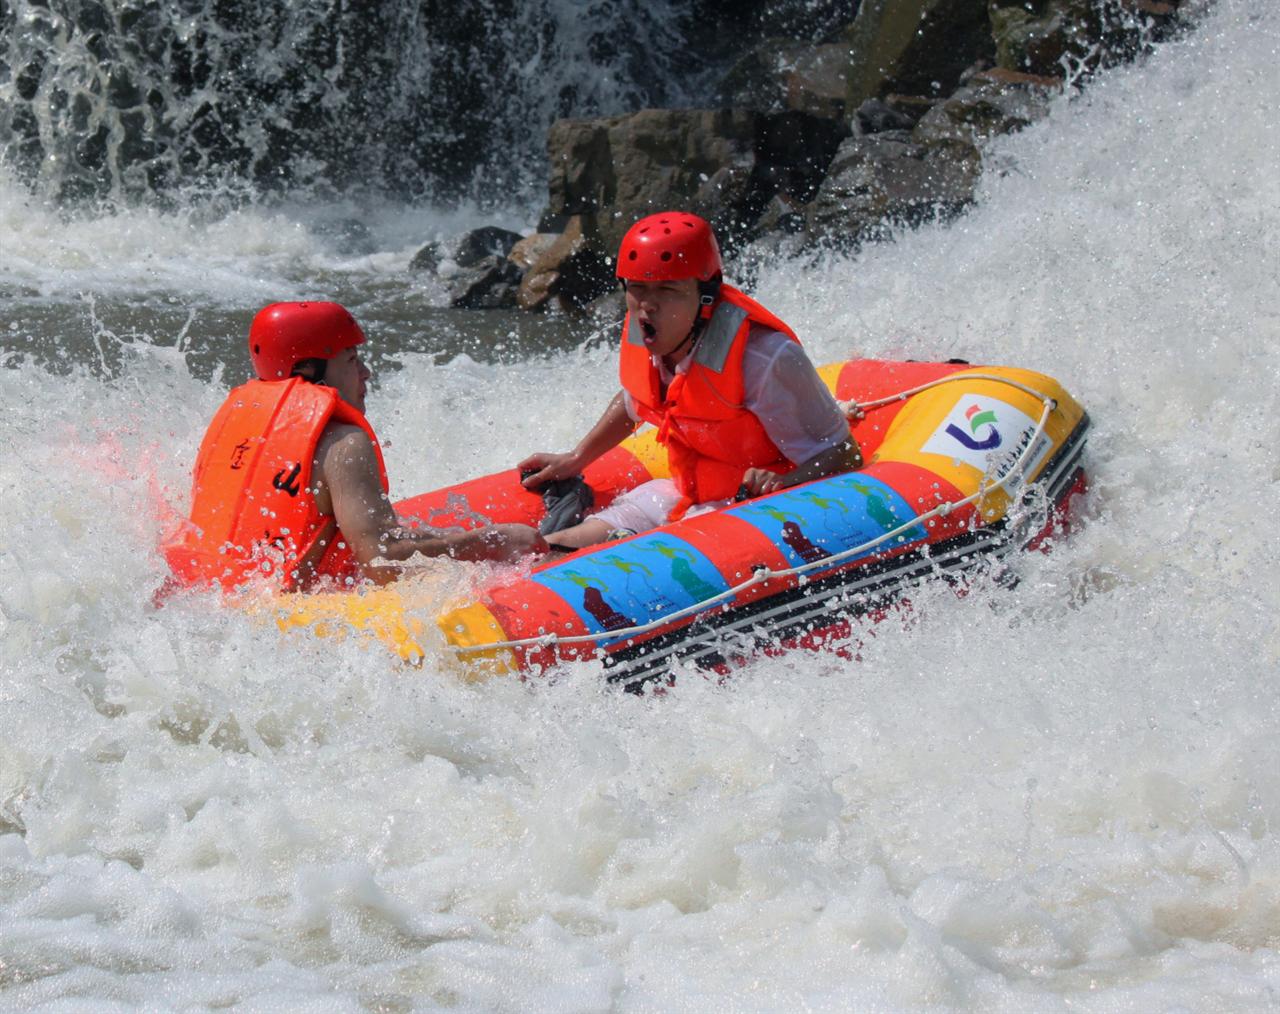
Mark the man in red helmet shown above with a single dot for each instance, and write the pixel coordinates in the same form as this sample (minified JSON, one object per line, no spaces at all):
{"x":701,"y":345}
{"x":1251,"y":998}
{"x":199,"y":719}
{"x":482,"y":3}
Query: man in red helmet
{"x":290,"y":482}
{"x":737,"y":403}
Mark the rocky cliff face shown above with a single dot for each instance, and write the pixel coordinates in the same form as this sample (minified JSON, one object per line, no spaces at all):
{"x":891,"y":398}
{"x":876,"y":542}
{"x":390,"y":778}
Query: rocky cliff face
{"x":835,"y":138}
{"x":801,"y":122}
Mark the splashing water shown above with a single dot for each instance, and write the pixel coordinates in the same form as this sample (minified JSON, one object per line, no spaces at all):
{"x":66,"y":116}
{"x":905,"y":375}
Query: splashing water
{"x":1057,"y":797}
{"x":125,"y":101}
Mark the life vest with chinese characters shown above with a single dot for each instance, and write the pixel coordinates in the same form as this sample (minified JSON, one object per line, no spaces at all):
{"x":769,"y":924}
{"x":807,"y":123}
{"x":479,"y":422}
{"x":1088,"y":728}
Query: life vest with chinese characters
{"x":710,"y":436}
{"x":252,"y":511}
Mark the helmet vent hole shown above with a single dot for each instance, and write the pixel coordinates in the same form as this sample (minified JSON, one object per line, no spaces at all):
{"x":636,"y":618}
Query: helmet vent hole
{"x":631,"y":256}
{"x":257,"y":349}
{"x":666,"y":255}
{"x":666,"y":232}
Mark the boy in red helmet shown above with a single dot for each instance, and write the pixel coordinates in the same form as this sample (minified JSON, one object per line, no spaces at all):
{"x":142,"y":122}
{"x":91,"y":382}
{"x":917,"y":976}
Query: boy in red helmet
{"x":737,"y":403}
{"x":289,"y":481}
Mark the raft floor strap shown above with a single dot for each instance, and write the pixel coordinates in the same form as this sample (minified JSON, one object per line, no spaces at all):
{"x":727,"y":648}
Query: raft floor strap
{"x":760,"y":576}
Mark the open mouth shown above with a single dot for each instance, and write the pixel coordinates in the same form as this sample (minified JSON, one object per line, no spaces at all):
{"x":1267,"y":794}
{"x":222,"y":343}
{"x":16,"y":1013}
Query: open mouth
{"x":649,"y":332}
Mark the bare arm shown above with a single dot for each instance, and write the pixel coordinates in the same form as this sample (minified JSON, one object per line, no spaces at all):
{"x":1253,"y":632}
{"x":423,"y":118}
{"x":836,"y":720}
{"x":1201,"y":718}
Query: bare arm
{"x":614,"y":426}
{"x":348,"y":468}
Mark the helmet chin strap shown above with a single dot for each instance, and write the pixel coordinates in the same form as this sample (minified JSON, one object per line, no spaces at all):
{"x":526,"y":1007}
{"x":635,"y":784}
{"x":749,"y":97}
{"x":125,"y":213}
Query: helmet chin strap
{"x":699,"y":324}
{"x":708,"y":294}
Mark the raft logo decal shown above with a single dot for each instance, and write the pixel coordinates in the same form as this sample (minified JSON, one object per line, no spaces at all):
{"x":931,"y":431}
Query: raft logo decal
{"x":978,"y":417}
{"x":987,"y":434}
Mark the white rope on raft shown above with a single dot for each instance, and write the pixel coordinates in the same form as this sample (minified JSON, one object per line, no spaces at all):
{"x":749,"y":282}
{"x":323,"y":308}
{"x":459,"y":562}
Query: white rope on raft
{"x":763,"y":574}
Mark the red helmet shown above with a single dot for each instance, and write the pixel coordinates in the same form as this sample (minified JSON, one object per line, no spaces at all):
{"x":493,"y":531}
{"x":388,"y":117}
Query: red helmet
{"x":283,"y":334}
{"x":669,"y":246}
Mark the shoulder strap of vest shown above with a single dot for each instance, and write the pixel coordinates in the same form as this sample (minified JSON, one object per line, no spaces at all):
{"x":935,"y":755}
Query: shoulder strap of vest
{"x":733,"y":308}
{"x":713,"y":348}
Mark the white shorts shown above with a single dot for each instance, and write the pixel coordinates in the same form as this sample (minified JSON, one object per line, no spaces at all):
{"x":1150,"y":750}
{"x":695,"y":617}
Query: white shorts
{"x":648,"y":506}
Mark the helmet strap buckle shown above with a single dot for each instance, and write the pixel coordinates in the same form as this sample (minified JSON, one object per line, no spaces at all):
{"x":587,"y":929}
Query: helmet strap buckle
{"x":708,"y":295}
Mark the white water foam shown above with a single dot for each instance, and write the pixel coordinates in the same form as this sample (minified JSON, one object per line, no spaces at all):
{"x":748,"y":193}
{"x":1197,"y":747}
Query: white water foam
{"x":230,"y":256}
{"x":1060,"y":797}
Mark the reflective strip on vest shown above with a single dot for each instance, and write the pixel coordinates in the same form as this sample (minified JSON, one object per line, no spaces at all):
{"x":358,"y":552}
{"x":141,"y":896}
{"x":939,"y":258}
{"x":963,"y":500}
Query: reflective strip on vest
{"x":717,"y":340}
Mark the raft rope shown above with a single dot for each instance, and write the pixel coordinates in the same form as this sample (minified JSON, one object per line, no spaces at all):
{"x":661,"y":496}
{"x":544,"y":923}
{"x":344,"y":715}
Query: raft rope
{"x":762,"y":574}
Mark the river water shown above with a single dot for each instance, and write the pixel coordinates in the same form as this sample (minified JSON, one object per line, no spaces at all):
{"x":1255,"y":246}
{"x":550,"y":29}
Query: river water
{"x":1064,"y":796}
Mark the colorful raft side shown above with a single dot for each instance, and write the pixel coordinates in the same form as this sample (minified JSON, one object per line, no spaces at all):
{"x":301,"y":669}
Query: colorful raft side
{"x":686,"y":591}
{"x":391,"y":616}
{"x":720,"y":585}
{"x":497,"y":498}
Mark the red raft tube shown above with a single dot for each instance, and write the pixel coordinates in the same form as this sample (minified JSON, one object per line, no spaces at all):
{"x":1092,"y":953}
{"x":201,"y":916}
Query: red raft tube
{"x":962,"y":464}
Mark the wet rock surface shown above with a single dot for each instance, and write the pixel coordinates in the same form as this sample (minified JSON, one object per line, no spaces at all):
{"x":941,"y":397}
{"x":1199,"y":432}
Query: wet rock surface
{"x":890,"y":179}
{"x":613,"y":171}
{"x":569,"y":272}
{"x":832,"y":138}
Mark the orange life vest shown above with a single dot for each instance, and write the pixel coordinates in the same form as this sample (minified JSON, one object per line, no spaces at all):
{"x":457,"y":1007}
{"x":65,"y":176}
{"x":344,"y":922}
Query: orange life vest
{"x":710,"y":436}
{"x":252,"y":510}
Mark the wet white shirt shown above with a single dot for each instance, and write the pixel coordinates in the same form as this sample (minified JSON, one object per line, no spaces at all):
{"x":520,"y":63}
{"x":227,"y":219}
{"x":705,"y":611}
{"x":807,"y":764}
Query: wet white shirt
{"x":783,"y":390}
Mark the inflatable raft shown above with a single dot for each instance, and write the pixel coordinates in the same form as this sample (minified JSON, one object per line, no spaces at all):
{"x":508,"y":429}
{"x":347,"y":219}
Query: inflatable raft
{"x":962,"y":464}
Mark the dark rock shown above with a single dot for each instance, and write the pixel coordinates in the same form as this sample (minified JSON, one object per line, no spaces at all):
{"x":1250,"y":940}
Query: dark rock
{"x":914,"y":47}
{"x":571,"y":271}
{"x":786,"y":75}
{"x":1048,"y":37}
{"x":983,"y":109}
{"x":91,"y":152}
{"x":730,"y":200}
{"x":426,"y":259}
{"x":616,"y":170}
{"x":878,"y":115}
{"x":1035,"y":37}
{"x":888,"y":179}
{"x":722,"y":164}
{"x":553,"y":224}
{"x":488,"y":284}
{"x":581,"y":179}
{"x":26,"y":83}
{"x":480,"y":244}
{"x":725,"y":22}
{"x":795,"y":149}
{"x":1013,"y":77}
{"x":122,"y":92}
{"x":466,"y":250}
{"x":781,"y":215}
{"x":135,"y":147}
